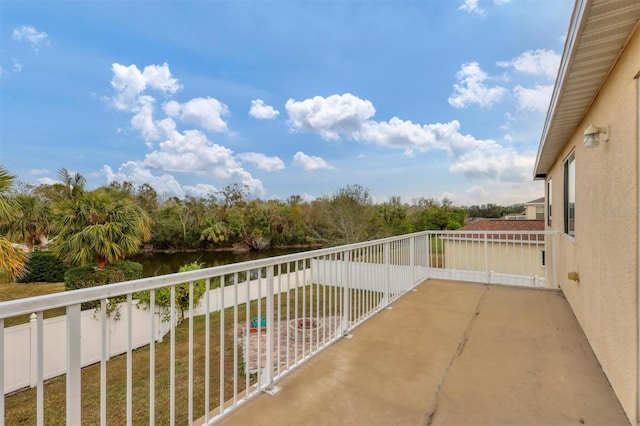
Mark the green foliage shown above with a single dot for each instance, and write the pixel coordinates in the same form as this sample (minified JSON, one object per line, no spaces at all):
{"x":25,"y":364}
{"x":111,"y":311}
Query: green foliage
{"x":44,"y":266}
{"x":32,"y":221}
{"x":163,"y":295}
{"x":494,"y":210}
{"x":101,"y":226}
{"x":89,"y":276}
{"x":12,"y":259}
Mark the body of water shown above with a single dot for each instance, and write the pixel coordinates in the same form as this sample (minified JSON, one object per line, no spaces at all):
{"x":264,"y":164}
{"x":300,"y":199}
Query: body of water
{"x":154,"y":264}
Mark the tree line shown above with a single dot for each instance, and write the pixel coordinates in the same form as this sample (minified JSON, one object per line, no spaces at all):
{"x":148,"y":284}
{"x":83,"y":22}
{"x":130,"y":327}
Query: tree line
{"x":103,"y":225}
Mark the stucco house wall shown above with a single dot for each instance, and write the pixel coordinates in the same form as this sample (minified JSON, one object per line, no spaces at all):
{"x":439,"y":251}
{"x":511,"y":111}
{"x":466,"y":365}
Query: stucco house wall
{"x":604,"y":250}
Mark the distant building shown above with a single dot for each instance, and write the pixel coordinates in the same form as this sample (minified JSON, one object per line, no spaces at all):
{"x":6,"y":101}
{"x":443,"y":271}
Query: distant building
{"x":535,"y":209}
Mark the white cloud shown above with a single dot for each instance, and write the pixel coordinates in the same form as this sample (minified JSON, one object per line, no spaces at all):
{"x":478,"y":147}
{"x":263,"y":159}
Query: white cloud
{"x":32,"y":36}
{"x":475,"y":158}
{"x":310,"y":162}
{"x":203,"y":112}
{"x":143,"y":119}
{"x":200,"y":190}
{"x":502,"y":193}
{"x":192,"y":152}
{"x":47,"y":181}
{"x":332,"y":116}
{"x":495,"y":162}
{"x":263,"y":162}
{"x":533,"y":99}
{"x":188,"y":151}
{"x":501,"y":2}
{"x":307,"y":198}
{"x":35,"y":172}
{"x":138,"y":174}
{"x":129,"y":82}
{"x":262,"y":111}
{"x":471,"y":6}
{"x":471,"y":88}
{"x":397,"y":133}
{"x":541,"y":62}
{"x":17,"y":65}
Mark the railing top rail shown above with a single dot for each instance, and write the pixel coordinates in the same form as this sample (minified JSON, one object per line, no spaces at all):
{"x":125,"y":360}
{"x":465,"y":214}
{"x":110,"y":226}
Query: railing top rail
{"x":63,"y":299}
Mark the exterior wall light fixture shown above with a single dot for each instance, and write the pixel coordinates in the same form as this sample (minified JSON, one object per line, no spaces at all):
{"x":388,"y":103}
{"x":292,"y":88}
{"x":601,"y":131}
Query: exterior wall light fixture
{"x":593,"y":135}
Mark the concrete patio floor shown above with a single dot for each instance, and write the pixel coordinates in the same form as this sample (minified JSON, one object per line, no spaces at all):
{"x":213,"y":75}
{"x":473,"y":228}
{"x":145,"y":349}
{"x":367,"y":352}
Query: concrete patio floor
{"x":450,"y":353}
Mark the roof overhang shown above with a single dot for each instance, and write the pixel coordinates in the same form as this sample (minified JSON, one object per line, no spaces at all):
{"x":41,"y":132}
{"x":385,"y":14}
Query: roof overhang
{"x":597,"y":35}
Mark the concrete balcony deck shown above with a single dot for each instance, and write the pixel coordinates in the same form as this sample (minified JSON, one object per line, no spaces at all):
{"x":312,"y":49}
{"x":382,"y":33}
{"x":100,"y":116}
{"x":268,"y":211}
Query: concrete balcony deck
{"x":450,"y":353}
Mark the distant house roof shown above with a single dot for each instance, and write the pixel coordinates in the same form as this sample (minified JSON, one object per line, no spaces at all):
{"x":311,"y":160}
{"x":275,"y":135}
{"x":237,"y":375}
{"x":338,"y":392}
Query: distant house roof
{"x":597,"y":34}
{"x":537,"y":201}
{"x":514,"y":230}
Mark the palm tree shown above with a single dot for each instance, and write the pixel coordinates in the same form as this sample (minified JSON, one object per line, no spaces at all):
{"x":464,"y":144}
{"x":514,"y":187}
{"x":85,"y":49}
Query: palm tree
{"x":101,"y":226}
{"x":32,"y":222}
{"x":73,"y":183}
{"x":12,"y":259}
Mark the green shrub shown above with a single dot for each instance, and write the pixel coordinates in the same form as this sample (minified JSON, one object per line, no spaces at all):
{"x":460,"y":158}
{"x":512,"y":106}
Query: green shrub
{"x":163,"y":295}
{"x":89,"y":276}
{"x":43,"y":266}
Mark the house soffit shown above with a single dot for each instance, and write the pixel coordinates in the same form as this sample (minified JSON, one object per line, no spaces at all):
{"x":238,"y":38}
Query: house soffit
{"x":598,"y":33}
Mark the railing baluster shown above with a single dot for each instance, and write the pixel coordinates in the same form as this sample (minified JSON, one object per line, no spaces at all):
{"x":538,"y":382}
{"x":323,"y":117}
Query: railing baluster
{"x":103,"y":362}
{"x":207,"y":345}
{"x":190,"y":361}
{"x":270,"y":388}
{"x":129,"y":361}
{"x":247,"y":338}
{"x":346,"y":308}
{"x":2,"y":375}
{"x":288,"y":309}
{"x":172,"y":358}
{"x":222,"y":285}
{"x":387,"y":267}
{"x":278,"y":318}
{"x":152,"y":357}
{"x":235,"y":338}
{"x":74,"y":364}
{"x":39,"y":369}
{"x":486,"y":257}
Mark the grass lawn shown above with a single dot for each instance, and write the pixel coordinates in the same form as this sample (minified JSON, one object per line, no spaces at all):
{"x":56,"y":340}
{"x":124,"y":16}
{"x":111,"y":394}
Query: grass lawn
{"x":12,"y":291}
{"x":20,"y":407}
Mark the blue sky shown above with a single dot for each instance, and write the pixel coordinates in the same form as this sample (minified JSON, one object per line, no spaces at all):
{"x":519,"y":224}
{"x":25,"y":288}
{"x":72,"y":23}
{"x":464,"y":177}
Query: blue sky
{"x":411,"y":98}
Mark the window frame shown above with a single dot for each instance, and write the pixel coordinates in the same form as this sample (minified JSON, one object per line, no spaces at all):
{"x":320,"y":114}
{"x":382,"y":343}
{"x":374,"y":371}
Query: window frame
{"x":569,"y":190}
{"x":549,"y":203}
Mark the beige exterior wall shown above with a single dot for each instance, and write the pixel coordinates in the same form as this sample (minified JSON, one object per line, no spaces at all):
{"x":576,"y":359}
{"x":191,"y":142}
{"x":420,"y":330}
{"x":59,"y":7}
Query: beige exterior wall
{"x":532,"y":210}
{"x":501,"y":257}
{"x":604,"y":250}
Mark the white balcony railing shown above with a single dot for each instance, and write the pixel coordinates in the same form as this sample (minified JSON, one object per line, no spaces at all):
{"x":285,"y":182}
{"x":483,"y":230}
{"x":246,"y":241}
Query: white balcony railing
{"x":257,"y":321}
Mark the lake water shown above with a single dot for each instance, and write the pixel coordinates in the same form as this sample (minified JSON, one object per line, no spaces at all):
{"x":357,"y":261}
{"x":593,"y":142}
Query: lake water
{"x":154,"y":264}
